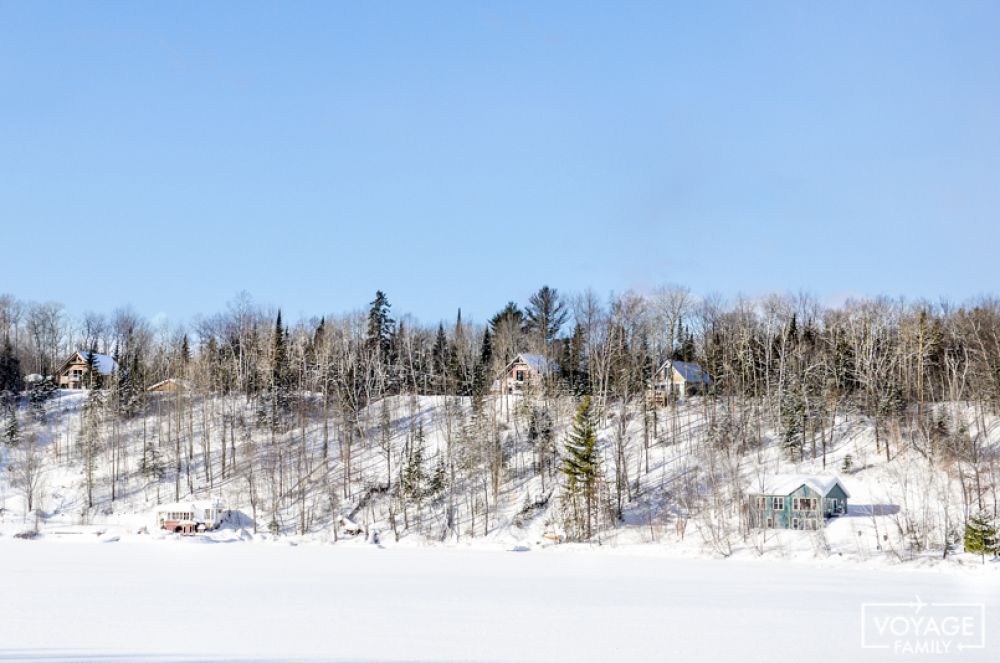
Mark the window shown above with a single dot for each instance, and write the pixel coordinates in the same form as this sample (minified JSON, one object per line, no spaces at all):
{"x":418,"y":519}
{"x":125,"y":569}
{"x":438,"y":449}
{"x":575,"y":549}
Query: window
{"x":811,"y":523}
{"x":519,"y":376}
{"x":803,"y":504}
{"x":770,"y":523}
{"x":795,"y":523}
{"x":761,"y":503}
{"x":778,"y":503}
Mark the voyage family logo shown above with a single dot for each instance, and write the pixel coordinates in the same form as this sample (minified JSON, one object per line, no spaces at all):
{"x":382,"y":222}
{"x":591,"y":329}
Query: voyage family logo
{"x":917,"y":627}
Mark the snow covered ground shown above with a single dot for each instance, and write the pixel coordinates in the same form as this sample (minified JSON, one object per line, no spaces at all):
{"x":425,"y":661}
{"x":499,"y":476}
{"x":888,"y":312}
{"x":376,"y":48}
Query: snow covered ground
{"x":74,"y":598}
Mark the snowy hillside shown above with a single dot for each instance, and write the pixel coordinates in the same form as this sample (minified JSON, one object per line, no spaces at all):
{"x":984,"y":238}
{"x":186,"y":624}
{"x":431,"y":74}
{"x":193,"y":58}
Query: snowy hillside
{"x":387,"y":477}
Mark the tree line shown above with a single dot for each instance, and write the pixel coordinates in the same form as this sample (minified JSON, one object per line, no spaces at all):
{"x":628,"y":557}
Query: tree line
{"x":783,"y":362}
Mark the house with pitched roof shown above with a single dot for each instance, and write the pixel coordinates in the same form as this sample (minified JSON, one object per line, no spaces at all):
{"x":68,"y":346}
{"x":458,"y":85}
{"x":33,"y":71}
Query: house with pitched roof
{"x":522,"y":371}
{"x":796,"y":501}
{"x":75,"y":371}
{"x":678,"y":379}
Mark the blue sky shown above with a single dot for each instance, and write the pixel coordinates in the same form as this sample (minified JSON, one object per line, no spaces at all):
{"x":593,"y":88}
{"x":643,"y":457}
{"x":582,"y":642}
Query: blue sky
{"x":463,"y":154}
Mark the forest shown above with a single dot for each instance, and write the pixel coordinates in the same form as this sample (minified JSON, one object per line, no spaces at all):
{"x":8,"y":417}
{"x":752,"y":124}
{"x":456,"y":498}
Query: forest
{"x":374,"y":416}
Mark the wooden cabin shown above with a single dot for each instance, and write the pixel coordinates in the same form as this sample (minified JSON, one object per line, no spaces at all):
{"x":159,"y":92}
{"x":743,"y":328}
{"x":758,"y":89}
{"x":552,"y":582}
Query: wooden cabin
{"x":797,"y":501}
{"x":521,"y":372}
{"x":75,"y":371}
{"x":677,"y":380}
{"x":189,"y":517}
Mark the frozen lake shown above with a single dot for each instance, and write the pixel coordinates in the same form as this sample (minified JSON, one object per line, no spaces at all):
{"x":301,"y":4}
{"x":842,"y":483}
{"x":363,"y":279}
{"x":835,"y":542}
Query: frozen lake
{"x":184,"y":600}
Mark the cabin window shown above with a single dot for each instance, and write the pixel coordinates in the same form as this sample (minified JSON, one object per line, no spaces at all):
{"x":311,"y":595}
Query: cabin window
{"x":761,"y":503}
{"x":778,"y":503}
{"x":795,"y":523}
{"x":519,"y":376}
{"x":812,"y":523}
{"x":804,"y":503}
{"x":770,"y":523}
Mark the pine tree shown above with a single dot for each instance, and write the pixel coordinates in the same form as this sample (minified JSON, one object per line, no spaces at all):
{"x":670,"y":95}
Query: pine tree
{"x":981,"y":536}
{"x":581,"y":465}
{"x":440,"y":360}
{"x":483,"y":372}
{"x":185,"y":354}
{"x":94,"y":377}
{"x":380,"y":327}
{"x":11,"y":428}
{"x":572,"y":365}
{"x":275,"y":399}
{"x":545,"y":314}
{"x":11,"y":380}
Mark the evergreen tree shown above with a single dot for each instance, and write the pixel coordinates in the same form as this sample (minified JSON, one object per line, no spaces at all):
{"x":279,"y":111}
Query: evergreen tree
{"x":572,"y":363}
{"x":981,"y":536}
{"x":440,"y":359}
{"x":581,"y":465}
{"x":274,"y":401}
{"x":545,"y":315}
{"x":11,"y":380}
{"x":414,"y":474}
{"x":94,"y":377}
{"x":483,"y":373}
{"x":39,"y":393}
{"x":11,"y":428}
{"x":380,"y":327}
{"x":129,"y":387}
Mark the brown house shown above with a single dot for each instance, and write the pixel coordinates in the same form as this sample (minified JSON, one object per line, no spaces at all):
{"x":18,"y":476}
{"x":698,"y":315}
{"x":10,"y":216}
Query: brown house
{"x":74,"y":373}
{"x":522,"y":371}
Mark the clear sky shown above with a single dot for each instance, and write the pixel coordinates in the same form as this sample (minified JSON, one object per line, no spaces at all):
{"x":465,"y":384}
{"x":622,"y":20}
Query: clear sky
{"x":464,"y":154}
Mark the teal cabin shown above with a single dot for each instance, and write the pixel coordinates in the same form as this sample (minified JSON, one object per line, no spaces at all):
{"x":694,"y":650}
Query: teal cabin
{"x":797,"y":501}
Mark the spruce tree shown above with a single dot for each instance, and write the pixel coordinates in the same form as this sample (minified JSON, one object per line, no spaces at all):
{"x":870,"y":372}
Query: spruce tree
{"x":277,"y":396}
{"x":11,"y":380}
{"x":94,"y":377}
{"x":440,"y":360}
{"x":581,"y":465}
{"x":981,"y":536}
{"x":11,"y":428}
{"x":380,"y":326}
{"x":483,"y":371}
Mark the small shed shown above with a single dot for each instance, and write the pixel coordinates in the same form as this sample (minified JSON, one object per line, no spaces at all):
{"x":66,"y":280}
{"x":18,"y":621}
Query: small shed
{"x":796,"y":501}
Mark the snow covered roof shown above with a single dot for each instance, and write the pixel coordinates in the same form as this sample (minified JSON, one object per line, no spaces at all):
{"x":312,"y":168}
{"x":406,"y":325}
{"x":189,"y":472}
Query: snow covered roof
{"x":786,"y":484}
{"x":537,"y":362}
{"x":104,"y":364}
{"x":196,"y":505}
{"x":690,"y":371}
